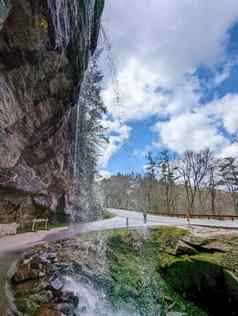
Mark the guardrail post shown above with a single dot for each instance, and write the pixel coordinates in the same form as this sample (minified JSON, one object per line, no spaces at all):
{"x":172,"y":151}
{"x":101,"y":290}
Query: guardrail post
{"x":145,"y":218}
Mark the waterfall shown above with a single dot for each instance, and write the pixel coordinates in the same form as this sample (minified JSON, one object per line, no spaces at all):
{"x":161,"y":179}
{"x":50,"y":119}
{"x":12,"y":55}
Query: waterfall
{"x":80,"y":193}
{"x":68,"y":17}
{"x":74,"y":25}
{"x":88,"y":134}
{"x":111,"y":64}
{"x":93,"y":301}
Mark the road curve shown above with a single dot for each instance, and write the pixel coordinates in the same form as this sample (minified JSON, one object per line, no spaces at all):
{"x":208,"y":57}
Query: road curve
{"x":122,"y":219}
{"x":166,"y":220}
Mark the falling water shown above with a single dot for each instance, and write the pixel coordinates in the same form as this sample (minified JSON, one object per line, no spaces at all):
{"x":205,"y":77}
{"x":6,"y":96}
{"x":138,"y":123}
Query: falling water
{"x":112,"y":66}
{"x":68,"y":18}
{"x":79,"y":193}
{"x":150,"y":285}
{"x":73,"y":22}
{"x":93,"y":301}
{"x":70,"y":15}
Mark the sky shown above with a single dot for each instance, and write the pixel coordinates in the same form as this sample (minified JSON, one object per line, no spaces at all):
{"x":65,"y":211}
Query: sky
{"x":177,"y":76}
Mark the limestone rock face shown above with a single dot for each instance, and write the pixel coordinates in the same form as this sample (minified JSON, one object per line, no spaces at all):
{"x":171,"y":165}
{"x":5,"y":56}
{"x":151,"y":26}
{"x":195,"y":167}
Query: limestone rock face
{"x":37,"y":91}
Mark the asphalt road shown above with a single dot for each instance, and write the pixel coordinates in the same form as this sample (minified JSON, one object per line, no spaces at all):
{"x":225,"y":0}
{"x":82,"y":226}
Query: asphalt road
{"x":122,"y":219}
{"x":137,"y":218}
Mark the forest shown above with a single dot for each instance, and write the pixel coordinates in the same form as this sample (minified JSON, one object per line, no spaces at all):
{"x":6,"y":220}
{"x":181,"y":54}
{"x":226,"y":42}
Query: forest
{"x":198,"y":183}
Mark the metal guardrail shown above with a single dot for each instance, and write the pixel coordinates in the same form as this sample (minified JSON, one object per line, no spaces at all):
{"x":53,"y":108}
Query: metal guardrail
{"x":207,"y":216}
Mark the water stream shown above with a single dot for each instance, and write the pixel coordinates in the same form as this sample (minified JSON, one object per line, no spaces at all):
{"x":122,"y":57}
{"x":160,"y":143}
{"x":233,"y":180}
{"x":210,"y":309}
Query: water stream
{"x":73,"y":23}
{"x":92,"y":301}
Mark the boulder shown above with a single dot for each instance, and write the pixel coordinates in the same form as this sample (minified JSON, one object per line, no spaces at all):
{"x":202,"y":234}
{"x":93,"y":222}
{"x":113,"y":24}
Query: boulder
{"x":182,"y":248}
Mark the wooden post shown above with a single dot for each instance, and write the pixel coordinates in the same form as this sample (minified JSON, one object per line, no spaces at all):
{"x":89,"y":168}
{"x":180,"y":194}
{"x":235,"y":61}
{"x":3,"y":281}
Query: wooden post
{"x":46,"y":224}
{"x":33,"y":225}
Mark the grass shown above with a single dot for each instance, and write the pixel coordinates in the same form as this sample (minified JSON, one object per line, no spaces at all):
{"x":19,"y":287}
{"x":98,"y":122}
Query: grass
{"x":58,"y":225}
{"x":9,"y":191}
{"x":107,"y":215}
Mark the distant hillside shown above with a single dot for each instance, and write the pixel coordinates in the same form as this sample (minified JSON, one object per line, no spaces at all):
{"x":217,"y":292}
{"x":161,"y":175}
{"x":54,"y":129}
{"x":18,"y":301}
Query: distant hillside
{"x":138,"y":193}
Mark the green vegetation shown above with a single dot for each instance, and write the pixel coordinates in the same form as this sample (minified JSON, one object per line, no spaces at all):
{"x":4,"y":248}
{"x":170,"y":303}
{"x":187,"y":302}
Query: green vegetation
{"x":134,"y":267}
{"x":11,"y":191}
{"x":58,"y":225}
{"x":99,"y":5}
{"x":107,"y":215}
{"x":61,"y":216}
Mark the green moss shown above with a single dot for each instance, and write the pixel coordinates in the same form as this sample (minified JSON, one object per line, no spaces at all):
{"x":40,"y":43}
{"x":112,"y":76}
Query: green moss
{"x":176,"y":302}
{"x":10,"y":191}
{"x":27,"y":306}
{"x":133,"y":262}
{"x":168,"y":237}
{"x":127,"y":272}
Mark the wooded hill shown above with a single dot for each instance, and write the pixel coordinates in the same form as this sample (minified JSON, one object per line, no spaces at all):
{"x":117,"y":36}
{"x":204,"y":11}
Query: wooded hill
{"x":134,"y":192}
{"x":197,"y":183}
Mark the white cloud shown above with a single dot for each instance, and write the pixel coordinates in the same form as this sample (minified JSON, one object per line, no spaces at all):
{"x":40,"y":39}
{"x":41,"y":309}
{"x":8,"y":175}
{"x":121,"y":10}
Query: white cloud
{"x":190,"y":131}
{"x":117,"y":134}
{"x":223,"y":75}
{"x":230,"y":150}
{"x":103,"y":174}
{"x":161,"y":43}
{"x":170,"y":37}
{"x":137,"y":92}
{"x":226,"y":110}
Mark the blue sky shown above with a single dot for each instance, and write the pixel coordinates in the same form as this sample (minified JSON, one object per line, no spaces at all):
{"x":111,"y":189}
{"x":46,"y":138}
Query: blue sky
{"x":178,"y":79}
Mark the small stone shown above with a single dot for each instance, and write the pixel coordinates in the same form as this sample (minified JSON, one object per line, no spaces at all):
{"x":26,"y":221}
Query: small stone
{"x":65,"y":308}
{"x":44,"y":258}
{"x":56,"y":284}
{"x":48,"y":311}
{"x":24,"y":273}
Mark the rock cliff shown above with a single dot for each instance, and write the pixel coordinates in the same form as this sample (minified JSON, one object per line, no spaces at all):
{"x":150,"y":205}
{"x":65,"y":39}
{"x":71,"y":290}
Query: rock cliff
{"x":44,"y":49}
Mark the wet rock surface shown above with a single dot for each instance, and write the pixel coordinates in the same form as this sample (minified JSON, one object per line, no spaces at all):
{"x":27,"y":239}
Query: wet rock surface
{"x":37,"y":282}
{"x":116,"y":261}
{"x":39,"y":81}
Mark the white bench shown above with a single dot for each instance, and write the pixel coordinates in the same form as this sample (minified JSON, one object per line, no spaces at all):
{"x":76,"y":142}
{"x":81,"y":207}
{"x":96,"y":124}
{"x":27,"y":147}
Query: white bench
{"x":40,"y":221}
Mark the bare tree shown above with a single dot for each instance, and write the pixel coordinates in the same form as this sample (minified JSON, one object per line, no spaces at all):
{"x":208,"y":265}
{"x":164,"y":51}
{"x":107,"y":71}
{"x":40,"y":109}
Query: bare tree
{"x":213,"y":182}
{"x":193,"y":169}
{"x":166,"y":161}
{"x":228,"y":169}
{"x":150,"y":178}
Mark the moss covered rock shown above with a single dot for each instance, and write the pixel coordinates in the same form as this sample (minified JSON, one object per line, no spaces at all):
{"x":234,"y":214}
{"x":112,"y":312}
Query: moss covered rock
{"x":139,"y":268}
{"x":191,"y":272}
